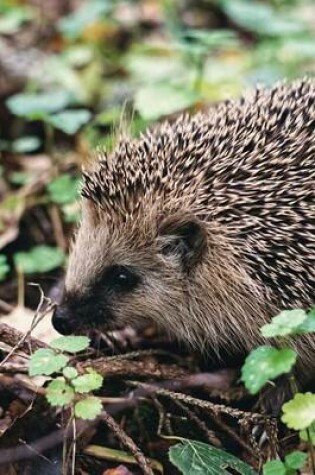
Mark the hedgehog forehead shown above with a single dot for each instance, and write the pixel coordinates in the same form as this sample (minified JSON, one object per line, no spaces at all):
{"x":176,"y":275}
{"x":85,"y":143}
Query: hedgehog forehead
{"x":106,"y":245}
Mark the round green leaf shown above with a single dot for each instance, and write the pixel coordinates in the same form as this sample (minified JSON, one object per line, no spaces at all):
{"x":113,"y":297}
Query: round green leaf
{"x":88,"y":408}
{"x":299,"y":413}
{"x":38,"y":105}
{"x":274,"y":467}
{"x":87,"y":382}
{"x":64,"y":189}
{"x":70,"y":121}
{"x":154,"y":101}
{"x":39,"y":259}
{"x":265,"y":363}
{"x":45,"y":362}
{"x":26,"y":144}
{"x":296,"y":460}
{"x":308,"y":326}
{"x":71,"y":344}
{"x":59,"y":393}
{"x":70,"y":372}
{"x":286,"y":323}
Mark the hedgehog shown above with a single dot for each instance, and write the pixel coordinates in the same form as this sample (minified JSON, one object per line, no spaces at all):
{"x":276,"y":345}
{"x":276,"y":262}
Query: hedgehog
{"x":204,"y":226}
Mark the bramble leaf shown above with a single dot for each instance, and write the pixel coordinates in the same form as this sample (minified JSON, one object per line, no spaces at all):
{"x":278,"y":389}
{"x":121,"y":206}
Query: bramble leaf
{"x":45,"y":362}
{"x":71,"y":344}
{"x":192,"y":457}
{"x":299,"y":413}
{"x":88,"y":408}
{"x":59,"y":393}
{"x":265,"y":363}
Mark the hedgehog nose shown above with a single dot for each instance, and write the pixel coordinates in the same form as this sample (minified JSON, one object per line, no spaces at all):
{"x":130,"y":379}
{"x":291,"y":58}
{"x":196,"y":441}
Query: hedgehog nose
{"x":62,"y":321}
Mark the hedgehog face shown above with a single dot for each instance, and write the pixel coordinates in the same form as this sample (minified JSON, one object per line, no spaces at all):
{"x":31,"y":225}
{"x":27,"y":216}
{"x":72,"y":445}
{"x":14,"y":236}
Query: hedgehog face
{"x":121,"y":275}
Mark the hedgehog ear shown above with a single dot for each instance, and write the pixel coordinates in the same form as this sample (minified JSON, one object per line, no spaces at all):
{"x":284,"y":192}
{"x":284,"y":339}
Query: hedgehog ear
{"x":184,"y":238}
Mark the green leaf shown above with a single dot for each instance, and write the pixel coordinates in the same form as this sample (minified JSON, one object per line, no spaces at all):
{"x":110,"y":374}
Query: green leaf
{"x":88,"y":408}
{"x":296,"y":459}
{"x":274,"y":467}
{"x":74,"y":24}
{"x":265,"y":363}
{"x":20,"y":178}
{"x":261,"y":18}
{"x":26,"y":144}
{"x":286,"y":323}
{"x":11,"y":22}
{"x":155,"y":101}
{"x":308,"y":434}
{"x":4,"y":267}
{"x":64,"y":189}
{"x":70,"y":121}
{"x":59,"y":393}
{"x":192,"y":458}
{"x":308,"y":326}
{"x":45,"y":362}
{"x":39,"y":259}
{"x":71,"y":344}
{"x":69,"y":372}
{"x":38,"y":106}
{"x":299,"y":413}
{"x":88,"y":382}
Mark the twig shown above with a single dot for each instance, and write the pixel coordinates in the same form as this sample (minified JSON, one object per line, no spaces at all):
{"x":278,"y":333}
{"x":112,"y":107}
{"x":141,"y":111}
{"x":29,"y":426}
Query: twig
{"x":38,"y":316}
{"x":127,"y":442}
{"x":13,"y":337}
{"x":57,"y":227}
{"x":6,"y":307}
{"x":214,"y":408}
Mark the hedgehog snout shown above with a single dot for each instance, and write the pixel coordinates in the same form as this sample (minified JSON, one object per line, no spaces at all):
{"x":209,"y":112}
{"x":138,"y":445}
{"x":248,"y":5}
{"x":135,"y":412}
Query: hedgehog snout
{"x":63,"y":320}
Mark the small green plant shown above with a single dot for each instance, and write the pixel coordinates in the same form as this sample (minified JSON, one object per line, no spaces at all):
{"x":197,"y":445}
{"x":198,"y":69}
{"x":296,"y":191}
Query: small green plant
{"x":266,"y":363}
{"x":67,"y":388}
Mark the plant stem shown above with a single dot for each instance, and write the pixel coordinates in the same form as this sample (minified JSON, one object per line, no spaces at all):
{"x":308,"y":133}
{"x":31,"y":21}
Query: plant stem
{"x":311,"y":449}
{"x":21,"y":288}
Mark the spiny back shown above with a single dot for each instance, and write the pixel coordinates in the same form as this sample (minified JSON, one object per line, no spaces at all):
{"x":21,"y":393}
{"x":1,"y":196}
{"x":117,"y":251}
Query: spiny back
{"x":248,"y":165}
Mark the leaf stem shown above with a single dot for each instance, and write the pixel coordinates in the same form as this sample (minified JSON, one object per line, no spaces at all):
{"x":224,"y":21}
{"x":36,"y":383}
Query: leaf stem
{"x":311,"y":449}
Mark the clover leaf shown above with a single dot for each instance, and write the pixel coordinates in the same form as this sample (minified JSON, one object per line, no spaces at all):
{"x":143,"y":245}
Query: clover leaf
{"x":299,"y":413}
{"x":59,"y":393}
{"x":46,"y":362}
{"x":71,"y":344}
{"x":286,"y":323}
{"x":88,"y":408}
{"x":87,"y":382}
{"x":265,"y":363}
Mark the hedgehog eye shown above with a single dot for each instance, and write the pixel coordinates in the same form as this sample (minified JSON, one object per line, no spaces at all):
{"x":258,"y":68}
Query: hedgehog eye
{"x":121,"y":279}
